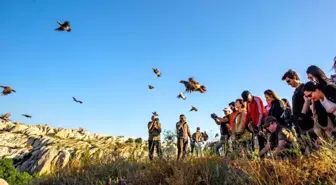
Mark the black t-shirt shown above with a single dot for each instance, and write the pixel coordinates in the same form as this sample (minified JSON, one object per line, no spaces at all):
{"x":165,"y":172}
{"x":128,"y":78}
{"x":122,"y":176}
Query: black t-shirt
{"x":276,"y":110}
{"x":298,"y":101}
{"x":224,"y":126}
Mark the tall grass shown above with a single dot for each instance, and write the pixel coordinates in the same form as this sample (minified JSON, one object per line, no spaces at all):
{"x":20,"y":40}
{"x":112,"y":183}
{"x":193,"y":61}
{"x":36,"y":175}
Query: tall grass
{"x":317,"y":168}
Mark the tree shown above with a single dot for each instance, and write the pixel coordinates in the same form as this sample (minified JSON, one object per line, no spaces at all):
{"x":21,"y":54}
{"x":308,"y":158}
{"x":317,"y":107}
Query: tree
{"x":11,"y":175}
{"x":169,"y":136}
{"x":138,"y":140}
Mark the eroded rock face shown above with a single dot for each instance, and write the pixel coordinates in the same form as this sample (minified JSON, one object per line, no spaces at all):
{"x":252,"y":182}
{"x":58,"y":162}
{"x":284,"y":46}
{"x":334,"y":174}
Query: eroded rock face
{"x":43,"y":149}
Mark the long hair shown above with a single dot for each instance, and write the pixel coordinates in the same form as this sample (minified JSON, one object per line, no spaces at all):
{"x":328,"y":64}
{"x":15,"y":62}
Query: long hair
{"x":321,"y":77}
{"x":241,"y":102}
{"x":272,"y":94}
{"x":286,"y":102}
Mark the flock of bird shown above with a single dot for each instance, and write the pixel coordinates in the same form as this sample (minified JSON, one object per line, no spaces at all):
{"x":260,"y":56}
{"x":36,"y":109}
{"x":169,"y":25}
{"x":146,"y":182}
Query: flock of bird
{"x":191,"y":85}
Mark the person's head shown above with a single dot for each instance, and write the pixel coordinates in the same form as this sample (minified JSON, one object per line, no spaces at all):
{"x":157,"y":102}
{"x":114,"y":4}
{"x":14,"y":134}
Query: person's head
{"x":292,"y":78}
{"x":226,"y":111}
{"x":198,"y":129}
{"x":182,"y":117}
{"x":286,"y":103}
{"x":232,"y":106}
{"x":270,"y":124}
{"x":239,"y":104}
{"x":316,"y":74}
{"x":247,"y":96}
{"x":313,"y":91}
{"x":270,"y":95}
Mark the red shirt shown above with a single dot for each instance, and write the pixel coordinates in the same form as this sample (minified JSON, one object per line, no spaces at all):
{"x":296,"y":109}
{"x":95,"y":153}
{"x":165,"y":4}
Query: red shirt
{"x":232,"y":115}
{"x":256,"y":111}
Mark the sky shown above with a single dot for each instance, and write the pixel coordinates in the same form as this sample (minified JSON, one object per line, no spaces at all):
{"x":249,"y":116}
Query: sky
{"x":107,"y":59}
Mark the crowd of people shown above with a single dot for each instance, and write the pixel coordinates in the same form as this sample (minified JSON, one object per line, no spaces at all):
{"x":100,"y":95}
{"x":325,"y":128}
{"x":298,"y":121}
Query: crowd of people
{"x":270,"y":130}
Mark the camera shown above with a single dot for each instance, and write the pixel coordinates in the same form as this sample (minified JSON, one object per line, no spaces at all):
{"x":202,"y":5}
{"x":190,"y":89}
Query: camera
{"x":214,"y":116}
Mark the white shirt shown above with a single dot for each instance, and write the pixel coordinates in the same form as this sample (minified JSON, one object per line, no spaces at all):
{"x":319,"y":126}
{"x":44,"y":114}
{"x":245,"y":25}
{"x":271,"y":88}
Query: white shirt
{"x":329,"y":106}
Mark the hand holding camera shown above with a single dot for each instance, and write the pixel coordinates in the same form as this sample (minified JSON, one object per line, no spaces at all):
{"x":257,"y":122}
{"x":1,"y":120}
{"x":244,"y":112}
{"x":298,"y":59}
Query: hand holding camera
{"x":214,"y":116}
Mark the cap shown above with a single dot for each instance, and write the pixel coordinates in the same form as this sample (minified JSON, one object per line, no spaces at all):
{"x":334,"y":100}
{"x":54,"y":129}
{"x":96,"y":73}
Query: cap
{"x":268,"y":120}
{"x":155,"y":113}
{"x":227,"y":109}
{"x":182,"y":115}
{"x":198,"y":128}
{"x":245,"y":94}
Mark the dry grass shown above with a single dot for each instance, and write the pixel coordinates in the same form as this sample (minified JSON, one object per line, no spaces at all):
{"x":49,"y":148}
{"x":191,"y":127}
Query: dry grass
{"x":317,"y":168}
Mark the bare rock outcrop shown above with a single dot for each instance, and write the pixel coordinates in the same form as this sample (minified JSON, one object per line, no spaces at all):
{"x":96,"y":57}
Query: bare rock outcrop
{"x":41,"y":148}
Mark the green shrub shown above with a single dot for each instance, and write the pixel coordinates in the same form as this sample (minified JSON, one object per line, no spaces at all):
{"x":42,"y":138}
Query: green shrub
{"x":11,"y":175}
{"x":138,"y":140}
{"x":130,"y":140}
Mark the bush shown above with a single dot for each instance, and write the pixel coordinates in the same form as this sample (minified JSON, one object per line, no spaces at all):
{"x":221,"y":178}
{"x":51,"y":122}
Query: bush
{"x":11,"y":175}
{"x":138,"y":140}
{"x":130,"y":140}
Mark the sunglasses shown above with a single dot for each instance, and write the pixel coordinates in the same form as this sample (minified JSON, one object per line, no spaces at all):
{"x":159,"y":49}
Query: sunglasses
{"x":288,"y":81}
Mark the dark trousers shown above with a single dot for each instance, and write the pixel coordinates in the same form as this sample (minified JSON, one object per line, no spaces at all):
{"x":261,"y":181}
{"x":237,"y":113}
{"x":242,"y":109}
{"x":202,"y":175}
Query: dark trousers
{"x":192,"y":146}
{"x":182,"y":148}
{"x":223,"y":145}
{"x":154,"y":144}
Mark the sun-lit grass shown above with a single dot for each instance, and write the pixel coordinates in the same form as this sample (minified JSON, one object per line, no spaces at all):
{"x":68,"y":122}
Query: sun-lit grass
{"x":317,"y":168}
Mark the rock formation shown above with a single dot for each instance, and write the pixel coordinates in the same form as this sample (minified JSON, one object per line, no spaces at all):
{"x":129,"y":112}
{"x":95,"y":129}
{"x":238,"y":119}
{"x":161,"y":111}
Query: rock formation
{"x":41,"y":148}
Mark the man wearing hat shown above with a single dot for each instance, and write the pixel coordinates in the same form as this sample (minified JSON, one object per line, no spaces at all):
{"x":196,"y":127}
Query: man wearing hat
{"x":183,"y":132}
{"x":224,"y":124}
{"x":284,"y":136}
{"x":154,"y":140}
{"x":197,"y":142}
{"x":256,"y":113}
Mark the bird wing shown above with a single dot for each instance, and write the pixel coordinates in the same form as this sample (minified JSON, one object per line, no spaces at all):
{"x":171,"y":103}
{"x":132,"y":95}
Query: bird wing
{"x":59,"y":29}
{"x":192,"y":80}
{"x":74,"y":99}
{"x":60,"y":23}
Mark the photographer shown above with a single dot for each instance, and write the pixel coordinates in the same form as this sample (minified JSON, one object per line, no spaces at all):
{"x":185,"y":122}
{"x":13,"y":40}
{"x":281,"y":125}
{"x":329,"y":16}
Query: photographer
{"x":224,"y":129}
{"x":154,"y":140}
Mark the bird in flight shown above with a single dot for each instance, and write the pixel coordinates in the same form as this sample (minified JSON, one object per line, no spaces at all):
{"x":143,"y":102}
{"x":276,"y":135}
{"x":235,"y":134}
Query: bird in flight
{"x":192,"y":85}
{"x":150,"y":87}
{"x":181,"y":95}
{"x":193,"y":109}
{"x":78,"y":101}
{"x":7,"y":90}
{"x":157,"y":72}
{"x":5,"y":117}
{"x":64,"y":26}
{"x":27,"y":116}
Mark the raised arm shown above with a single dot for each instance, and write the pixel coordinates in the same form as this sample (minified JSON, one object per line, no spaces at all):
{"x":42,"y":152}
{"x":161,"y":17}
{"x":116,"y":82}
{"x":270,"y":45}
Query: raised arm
{"x":188,"y":130}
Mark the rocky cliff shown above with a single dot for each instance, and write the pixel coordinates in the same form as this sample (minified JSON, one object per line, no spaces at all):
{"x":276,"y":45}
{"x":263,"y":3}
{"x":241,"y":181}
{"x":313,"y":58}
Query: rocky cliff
{"x":41,"y":148}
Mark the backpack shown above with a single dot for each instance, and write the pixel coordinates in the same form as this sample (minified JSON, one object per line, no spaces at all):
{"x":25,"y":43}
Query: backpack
{"x":205,"y":136}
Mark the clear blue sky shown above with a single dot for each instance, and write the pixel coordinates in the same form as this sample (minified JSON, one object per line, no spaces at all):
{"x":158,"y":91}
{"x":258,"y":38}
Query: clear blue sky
{"x":107,"y":59}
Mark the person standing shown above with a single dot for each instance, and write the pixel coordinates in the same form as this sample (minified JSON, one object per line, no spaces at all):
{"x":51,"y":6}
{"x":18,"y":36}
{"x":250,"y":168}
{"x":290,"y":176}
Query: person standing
{"x":154,"y":140}
{"x":302,"y":117}
{"x":256,"y":113}
{"x":198,"y":141}
{"x":183,"y":132}
{"x":224,"y":130}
